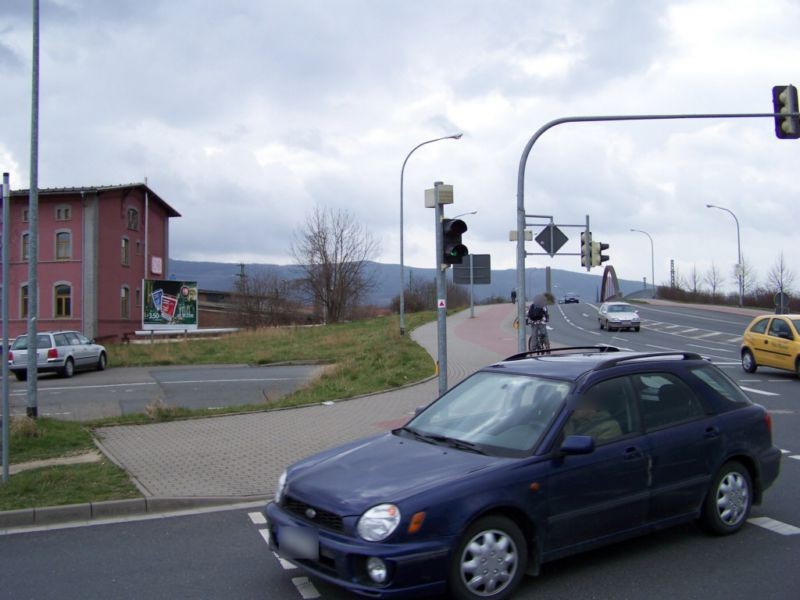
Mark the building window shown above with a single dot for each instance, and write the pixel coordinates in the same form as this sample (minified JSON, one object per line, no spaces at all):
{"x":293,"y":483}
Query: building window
{"x":23,"y":301}
{"x":63,"y":301}
{"x":63,"y":212}
{"x":25,"y":245}
{"x":125,"y":302}
{"x":24,"y":215}
{"x":133,"y":219}
{"x":63,"y":245}
{"x":126,"y":251}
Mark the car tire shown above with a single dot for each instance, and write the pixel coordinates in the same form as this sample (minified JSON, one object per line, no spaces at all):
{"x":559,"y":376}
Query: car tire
{"x":636,"y":329}
{"x":69,"y":369}
{"x":748,"y":361}
{"x":102,"y":362}
{"x":21,"y":375}
{"x":729,"y":499}
{"x":601,"y":324}
{"x":493,"y":546}
{"x":797,"y":366}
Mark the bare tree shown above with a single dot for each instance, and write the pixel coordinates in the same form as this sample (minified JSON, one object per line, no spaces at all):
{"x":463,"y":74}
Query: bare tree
{"x":694,"y":278}
{"x":780,"y":277}
{"x":263,"y":299}
{"x":332,"y":250}
{"x":748,"y":274}
{"x":713,"y":278}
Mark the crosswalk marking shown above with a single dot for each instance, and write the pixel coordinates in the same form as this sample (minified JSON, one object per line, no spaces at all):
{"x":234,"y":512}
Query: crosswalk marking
{"x":706,"y":335}
{"x":305,"y":587}
{"x":257,"y":518}
{"x":776,"y":526}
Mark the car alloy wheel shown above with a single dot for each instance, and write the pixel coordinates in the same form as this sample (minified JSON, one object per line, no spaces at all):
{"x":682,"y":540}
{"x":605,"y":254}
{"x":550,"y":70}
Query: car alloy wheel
{"x":728,"y":504}
{"x":748,"y":362}
{"x":490,"y":561}
{"x":69,"y":368}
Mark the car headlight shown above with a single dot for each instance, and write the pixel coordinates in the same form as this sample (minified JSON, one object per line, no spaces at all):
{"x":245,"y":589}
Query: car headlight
{"x":280,"y":488}
{"x":379,"y":522}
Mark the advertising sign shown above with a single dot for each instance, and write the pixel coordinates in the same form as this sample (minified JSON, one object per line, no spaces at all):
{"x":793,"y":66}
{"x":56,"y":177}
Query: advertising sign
{"x":169,"y":304}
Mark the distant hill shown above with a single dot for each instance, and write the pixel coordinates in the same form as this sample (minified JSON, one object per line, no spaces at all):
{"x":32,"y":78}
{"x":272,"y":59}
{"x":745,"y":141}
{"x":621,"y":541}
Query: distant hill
{"x":222,"y":277}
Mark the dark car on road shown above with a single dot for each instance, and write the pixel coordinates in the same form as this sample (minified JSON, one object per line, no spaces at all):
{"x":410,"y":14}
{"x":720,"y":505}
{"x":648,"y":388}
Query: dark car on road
{"x":62,"y":352}
{"x":571,"y":298}
{"x":526,"y":461}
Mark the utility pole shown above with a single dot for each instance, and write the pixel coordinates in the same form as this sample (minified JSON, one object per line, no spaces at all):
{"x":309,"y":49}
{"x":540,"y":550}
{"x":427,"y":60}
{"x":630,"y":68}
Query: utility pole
{"x":441,"y":291}
{"x":32,"y":407}
{"x":6,"y":409}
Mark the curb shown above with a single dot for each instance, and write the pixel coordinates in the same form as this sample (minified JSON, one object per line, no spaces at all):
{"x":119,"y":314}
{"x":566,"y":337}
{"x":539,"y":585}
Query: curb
{"x":91,"y":511}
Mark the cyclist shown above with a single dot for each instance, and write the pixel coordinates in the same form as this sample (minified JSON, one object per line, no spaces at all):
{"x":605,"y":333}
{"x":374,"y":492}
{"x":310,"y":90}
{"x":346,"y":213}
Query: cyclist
{"x":538,"y":317}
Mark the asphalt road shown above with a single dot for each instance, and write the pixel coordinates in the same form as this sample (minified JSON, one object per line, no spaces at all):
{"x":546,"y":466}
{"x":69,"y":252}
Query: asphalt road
{"x":120,"y":391}
{"x":224,"y":554}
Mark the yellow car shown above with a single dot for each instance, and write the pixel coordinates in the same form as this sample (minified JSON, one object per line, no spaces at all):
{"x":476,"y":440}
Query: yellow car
{"x":772,"y":341}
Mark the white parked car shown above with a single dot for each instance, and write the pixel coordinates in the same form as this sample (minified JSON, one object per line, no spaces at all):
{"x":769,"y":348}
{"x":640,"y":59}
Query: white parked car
{"x":62,"y":352}
{"x":618,"y":315}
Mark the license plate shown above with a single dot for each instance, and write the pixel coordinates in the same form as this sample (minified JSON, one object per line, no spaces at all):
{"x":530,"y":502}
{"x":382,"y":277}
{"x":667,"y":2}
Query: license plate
{"x":298,"y":542}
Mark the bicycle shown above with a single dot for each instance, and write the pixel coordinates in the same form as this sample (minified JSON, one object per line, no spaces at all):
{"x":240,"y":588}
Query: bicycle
{"x":539,"y":340}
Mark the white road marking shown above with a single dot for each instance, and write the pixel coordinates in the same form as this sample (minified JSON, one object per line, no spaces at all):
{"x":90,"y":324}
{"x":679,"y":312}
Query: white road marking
{"x":762,"y":392}
{"x":662,"y":347}
{"x":785,"y":452}
{"x":705,"y":335}
{"x":691,"y":329}
{"x":736,"y":363}
{"x":257,"y":518}
{"x":305,"y":587}
{"x":776,"y":526}
{"x":671,"y":326}
{"x":795,"y":456}
{"x":709,"y":348}
{"x":735,"y":340}
{"x":142,"y":383}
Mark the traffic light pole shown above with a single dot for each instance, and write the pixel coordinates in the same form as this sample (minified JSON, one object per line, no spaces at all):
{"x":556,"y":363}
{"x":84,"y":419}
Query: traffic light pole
{"x":441,"y":293}
{"x":521,"y":300}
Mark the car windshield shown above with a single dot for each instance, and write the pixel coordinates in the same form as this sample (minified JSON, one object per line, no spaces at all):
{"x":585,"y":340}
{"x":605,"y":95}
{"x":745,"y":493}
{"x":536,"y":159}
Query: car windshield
{"x":620,"y":308}
{"x":21,"y":343}
{"x":492,"y":413}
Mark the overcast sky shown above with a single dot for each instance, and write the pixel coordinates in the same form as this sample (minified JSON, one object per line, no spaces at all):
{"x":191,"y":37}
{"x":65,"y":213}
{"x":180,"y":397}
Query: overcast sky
{"x":244,"y":114}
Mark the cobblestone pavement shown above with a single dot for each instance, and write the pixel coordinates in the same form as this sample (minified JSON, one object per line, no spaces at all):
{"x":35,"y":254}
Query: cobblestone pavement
{"x":243,"y":455}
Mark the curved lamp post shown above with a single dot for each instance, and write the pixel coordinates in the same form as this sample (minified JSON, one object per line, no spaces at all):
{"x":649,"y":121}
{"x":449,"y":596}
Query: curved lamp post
{"x":652,"y":260}
{"x":455,"y":136}
{"x":739,"y":248}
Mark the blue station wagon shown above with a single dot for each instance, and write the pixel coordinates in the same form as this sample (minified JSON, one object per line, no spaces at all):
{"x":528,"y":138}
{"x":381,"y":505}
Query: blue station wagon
{"x":527,"y":461}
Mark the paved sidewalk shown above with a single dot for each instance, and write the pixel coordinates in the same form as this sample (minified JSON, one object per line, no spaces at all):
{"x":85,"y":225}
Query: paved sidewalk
{"x":243,"y":455}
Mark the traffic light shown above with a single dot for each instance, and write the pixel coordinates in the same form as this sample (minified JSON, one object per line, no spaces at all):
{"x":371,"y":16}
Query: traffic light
{"x":586,"y":249}
{"x":784,"y":100}
{"x":597,"y":255}
{"x":454,"y":250}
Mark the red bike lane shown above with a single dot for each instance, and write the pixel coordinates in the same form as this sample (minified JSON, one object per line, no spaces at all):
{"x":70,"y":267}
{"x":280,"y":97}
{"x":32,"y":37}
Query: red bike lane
{"x":491,"y":329}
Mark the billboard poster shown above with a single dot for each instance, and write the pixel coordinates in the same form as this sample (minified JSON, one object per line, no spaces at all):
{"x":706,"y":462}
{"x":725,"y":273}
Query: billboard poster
{"x":169,"y":304}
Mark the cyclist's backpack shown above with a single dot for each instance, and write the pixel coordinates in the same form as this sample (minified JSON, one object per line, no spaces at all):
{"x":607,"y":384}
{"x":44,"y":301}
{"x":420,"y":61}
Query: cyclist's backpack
{"x":535,"y":313}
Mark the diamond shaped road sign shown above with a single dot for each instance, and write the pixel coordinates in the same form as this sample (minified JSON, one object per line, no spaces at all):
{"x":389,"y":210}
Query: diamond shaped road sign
{"x":551,"y":238}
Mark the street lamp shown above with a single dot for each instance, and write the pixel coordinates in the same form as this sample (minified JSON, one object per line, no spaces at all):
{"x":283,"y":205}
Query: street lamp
{"x":652,"y":261}
{"x":739,"y":267}
{"x":455,"y":136}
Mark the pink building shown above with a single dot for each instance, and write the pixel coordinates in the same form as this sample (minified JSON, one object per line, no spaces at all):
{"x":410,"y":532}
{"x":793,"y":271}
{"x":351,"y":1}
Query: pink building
{"x":96,"y":244}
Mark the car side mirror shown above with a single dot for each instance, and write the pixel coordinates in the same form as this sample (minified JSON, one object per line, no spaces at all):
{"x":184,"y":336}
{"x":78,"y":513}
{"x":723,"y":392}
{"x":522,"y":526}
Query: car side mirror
{"x":578,"y":444}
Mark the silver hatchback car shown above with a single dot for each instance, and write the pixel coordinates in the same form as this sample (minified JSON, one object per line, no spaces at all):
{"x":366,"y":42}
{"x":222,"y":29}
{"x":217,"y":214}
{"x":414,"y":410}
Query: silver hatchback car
{"x":62,"y":352}
{"x":618,"y":315}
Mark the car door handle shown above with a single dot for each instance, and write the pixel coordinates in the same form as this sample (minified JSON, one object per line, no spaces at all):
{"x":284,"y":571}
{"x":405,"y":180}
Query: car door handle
{"x":711,"y":432}
{"x":632,"y":453}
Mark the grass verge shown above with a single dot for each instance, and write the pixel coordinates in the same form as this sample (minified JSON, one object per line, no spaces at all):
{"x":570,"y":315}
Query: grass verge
{"x":47,"y":438}
{"x":67,"y":484}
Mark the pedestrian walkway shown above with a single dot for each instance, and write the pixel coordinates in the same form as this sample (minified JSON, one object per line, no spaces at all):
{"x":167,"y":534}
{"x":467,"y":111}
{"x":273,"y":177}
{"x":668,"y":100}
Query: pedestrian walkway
{"x":243,"y":455}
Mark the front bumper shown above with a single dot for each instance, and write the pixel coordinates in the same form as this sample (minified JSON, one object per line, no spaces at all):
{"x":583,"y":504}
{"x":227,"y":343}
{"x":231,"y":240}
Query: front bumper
{"x":414,"y":568}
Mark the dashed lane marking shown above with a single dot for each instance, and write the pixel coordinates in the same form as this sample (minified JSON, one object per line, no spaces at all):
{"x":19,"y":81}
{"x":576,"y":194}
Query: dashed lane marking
{"x":305,"y":587}
{"x":706,"y":335}
{"x":776,"y":526}
{"x":785,"y":451}
{"x":795,"y":456}
{"x":762,"y":392}
{"x":735,"y":340}
{"x":257,"y":518}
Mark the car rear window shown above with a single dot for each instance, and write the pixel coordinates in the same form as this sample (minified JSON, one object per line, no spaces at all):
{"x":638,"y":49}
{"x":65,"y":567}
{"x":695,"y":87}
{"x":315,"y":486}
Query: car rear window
{"x":21,"y":343}
{"x":720,"y":383}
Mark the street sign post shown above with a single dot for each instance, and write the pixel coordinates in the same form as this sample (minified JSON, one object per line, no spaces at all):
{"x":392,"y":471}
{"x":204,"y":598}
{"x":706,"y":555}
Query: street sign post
{"x":551,"y":238}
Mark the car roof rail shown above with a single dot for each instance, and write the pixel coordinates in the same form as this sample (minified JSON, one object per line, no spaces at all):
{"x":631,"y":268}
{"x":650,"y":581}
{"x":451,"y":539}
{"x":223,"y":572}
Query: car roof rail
{"x":613,"y":362}
{"x":524,"y":355}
